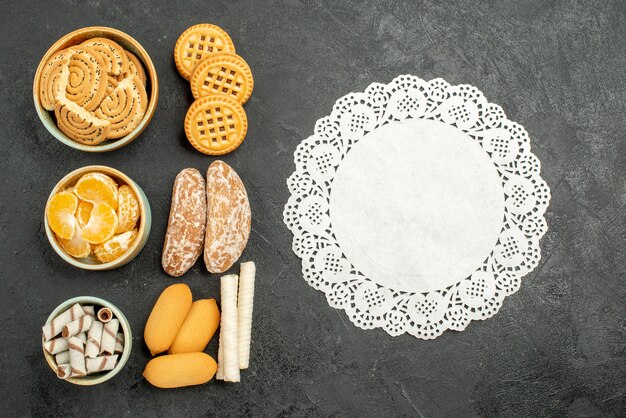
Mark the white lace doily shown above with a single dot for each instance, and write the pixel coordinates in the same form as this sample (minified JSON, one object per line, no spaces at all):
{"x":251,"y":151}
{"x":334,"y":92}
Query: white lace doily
{"x":416,"y":206}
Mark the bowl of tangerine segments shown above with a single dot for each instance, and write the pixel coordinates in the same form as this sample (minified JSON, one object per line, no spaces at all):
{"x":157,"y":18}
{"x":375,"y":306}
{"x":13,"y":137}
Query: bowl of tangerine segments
{"x":97,"y":218}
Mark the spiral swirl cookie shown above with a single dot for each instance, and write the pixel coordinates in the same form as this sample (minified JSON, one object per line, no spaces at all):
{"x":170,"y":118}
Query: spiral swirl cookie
{"x":54,"y":78}
{"x":198,"y":42}
{"x":79,"y":124}
{"x":135,"y":68}
{"x":111,"y":53}
{"x":216,"y":124}
{"x":125,"y":107}
{"x":87,"y":80}
{"x":224,"y":73}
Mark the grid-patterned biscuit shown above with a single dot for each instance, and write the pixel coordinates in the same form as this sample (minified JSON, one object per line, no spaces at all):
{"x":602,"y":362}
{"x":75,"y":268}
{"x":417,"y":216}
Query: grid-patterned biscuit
{"x":216,"y":124}
{"x":111,"y":53}
{"x":87,"y":79}
{"x":196,"y":43}
{"x":223,"y":73}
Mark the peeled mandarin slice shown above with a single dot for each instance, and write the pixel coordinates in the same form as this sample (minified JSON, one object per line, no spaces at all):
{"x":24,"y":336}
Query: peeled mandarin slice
{"x":97,"y":188}
{"x":115,"y":247}
{"x":60,"y":213}
{"x":83,"y":212}
{"x":101,"y":225}
{"x":76,"y":246}
{"x":127,"y":209}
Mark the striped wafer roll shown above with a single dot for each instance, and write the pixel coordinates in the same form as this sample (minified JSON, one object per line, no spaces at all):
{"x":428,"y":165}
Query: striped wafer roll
{"x":62,"y":358}
{"x":219,"y":374}
{"x":229,"y":326}
{"x":64,"y":371}
{"x":88,"y":78}
{"x":245,"y":304}
{"x":90,"y":311}
{"x":119,"y":343}
{"x":77,"y":357}
{"x":92,"y":349}
{"x":107,"y":344}
{"x":124,"y":107}
{"x":83,"y":337}
{"x":105,"y":315}
{"x":54,"y":78}
{"x":79,"y":124}
{"x":82,"y":324}
{"x":56,"y":346}
{"x":115,"y":61}
{"x":54,"y":327}
{"x":100,"y":364}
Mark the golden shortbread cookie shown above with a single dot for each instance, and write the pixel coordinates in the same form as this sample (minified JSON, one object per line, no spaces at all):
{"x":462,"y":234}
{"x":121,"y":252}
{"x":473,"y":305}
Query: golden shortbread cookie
{"x":124,"y":107}
{"x":224,"y":73}
{"x":196,"y":43}
{"x":216,"y":124}
{"x":87,"y":79}
{"x":111,"y":53}
{"x":54,"y":78}
{"x":79,"y":124}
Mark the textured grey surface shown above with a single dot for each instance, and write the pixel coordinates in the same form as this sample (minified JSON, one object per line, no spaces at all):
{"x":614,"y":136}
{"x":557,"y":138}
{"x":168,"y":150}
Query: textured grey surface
{"x":557,"y":347}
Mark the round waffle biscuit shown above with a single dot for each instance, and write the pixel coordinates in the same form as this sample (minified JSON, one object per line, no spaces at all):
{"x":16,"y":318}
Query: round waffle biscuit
{"x":222,"y":73}
{"x":216,"y":124}
{"x":196,"y":43}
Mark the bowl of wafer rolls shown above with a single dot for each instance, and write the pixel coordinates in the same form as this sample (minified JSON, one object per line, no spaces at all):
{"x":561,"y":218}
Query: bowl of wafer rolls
{"x":86,"y":340}
{"x":96,"y":89}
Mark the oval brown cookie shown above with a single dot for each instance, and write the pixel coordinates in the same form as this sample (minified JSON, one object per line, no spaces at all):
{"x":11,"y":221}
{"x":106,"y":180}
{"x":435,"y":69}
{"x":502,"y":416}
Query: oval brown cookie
{"x":186,"y":225}
{"x":228,"y":218}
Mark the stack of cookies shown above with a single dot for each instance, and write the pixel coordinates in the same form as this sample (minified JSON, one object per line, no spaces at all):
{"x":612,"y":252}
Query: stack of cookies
{"x":221,"y":82}
{"x":97,"y":91}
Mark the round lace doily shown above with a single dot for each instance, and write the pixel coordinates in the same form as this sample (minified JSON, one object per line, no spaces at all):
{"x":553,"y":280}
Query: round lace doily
{"x":416,"y":206}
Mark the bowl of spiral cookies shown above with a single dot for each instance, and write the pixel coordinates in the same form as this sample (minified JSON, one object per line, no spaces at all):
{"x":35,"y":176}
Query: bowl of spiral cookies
{"x":96,"y":89}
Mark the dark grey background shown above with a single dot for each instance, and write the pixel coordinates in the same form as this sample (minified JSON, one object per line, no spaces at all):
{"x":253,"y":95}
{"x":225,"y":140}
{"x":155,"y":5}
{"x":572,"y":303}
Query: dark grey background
{"x":557,"y":347}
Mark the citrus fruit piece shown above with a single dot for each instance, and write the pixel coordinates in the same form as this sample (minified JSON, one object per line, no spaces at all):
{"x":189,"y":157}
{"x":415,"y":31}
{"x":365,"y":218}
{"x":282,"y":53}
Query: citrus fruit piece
{"x":76,"y":246}
{"x":83,"y":212}
{"x":101,"y":225}
{"x":127,"y":209}
{"x":60,"y":214}
{"x":115,"y":247}
{"x":97,"y":188}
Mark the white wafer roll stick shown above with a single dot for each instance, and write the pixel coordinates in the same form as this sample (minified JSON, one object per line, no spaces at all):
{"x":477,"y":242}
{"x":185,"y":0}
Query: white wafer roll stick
{"x":105,"y":315}
{"x":92,"y":349}
{"x":119,"y":343}
{"x":229,"y":325}
{"x":83,"y":337}
{"x":54,"y":327}
{"x":77,"y":357}
{"x":219,"y":374}
{"x":244,"y":309}
{"x":107,"y":344}
{"x":82,"y":324}
{"x":62,"y":358}
{"x":90,"y":311}
{"x":100,"y":364}
{"x":56,"y":346}
{"x":64,"y":371}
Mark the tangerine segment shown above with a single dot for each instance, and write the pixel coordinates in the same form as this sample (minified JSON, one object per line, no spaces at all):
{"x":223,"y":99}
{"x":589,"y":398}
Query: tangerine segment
{"x":83,"y":212}
{"x":115,"y":247}
{"x":97,"y":188}
{"x":127,"y":209}
{"x":76,"y":246}
{"x":216,"y":124}
{"x":222,"y":73}
{"x":196,"y":43}
{"x":60,"y":213}
{"x":101,"y":226}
